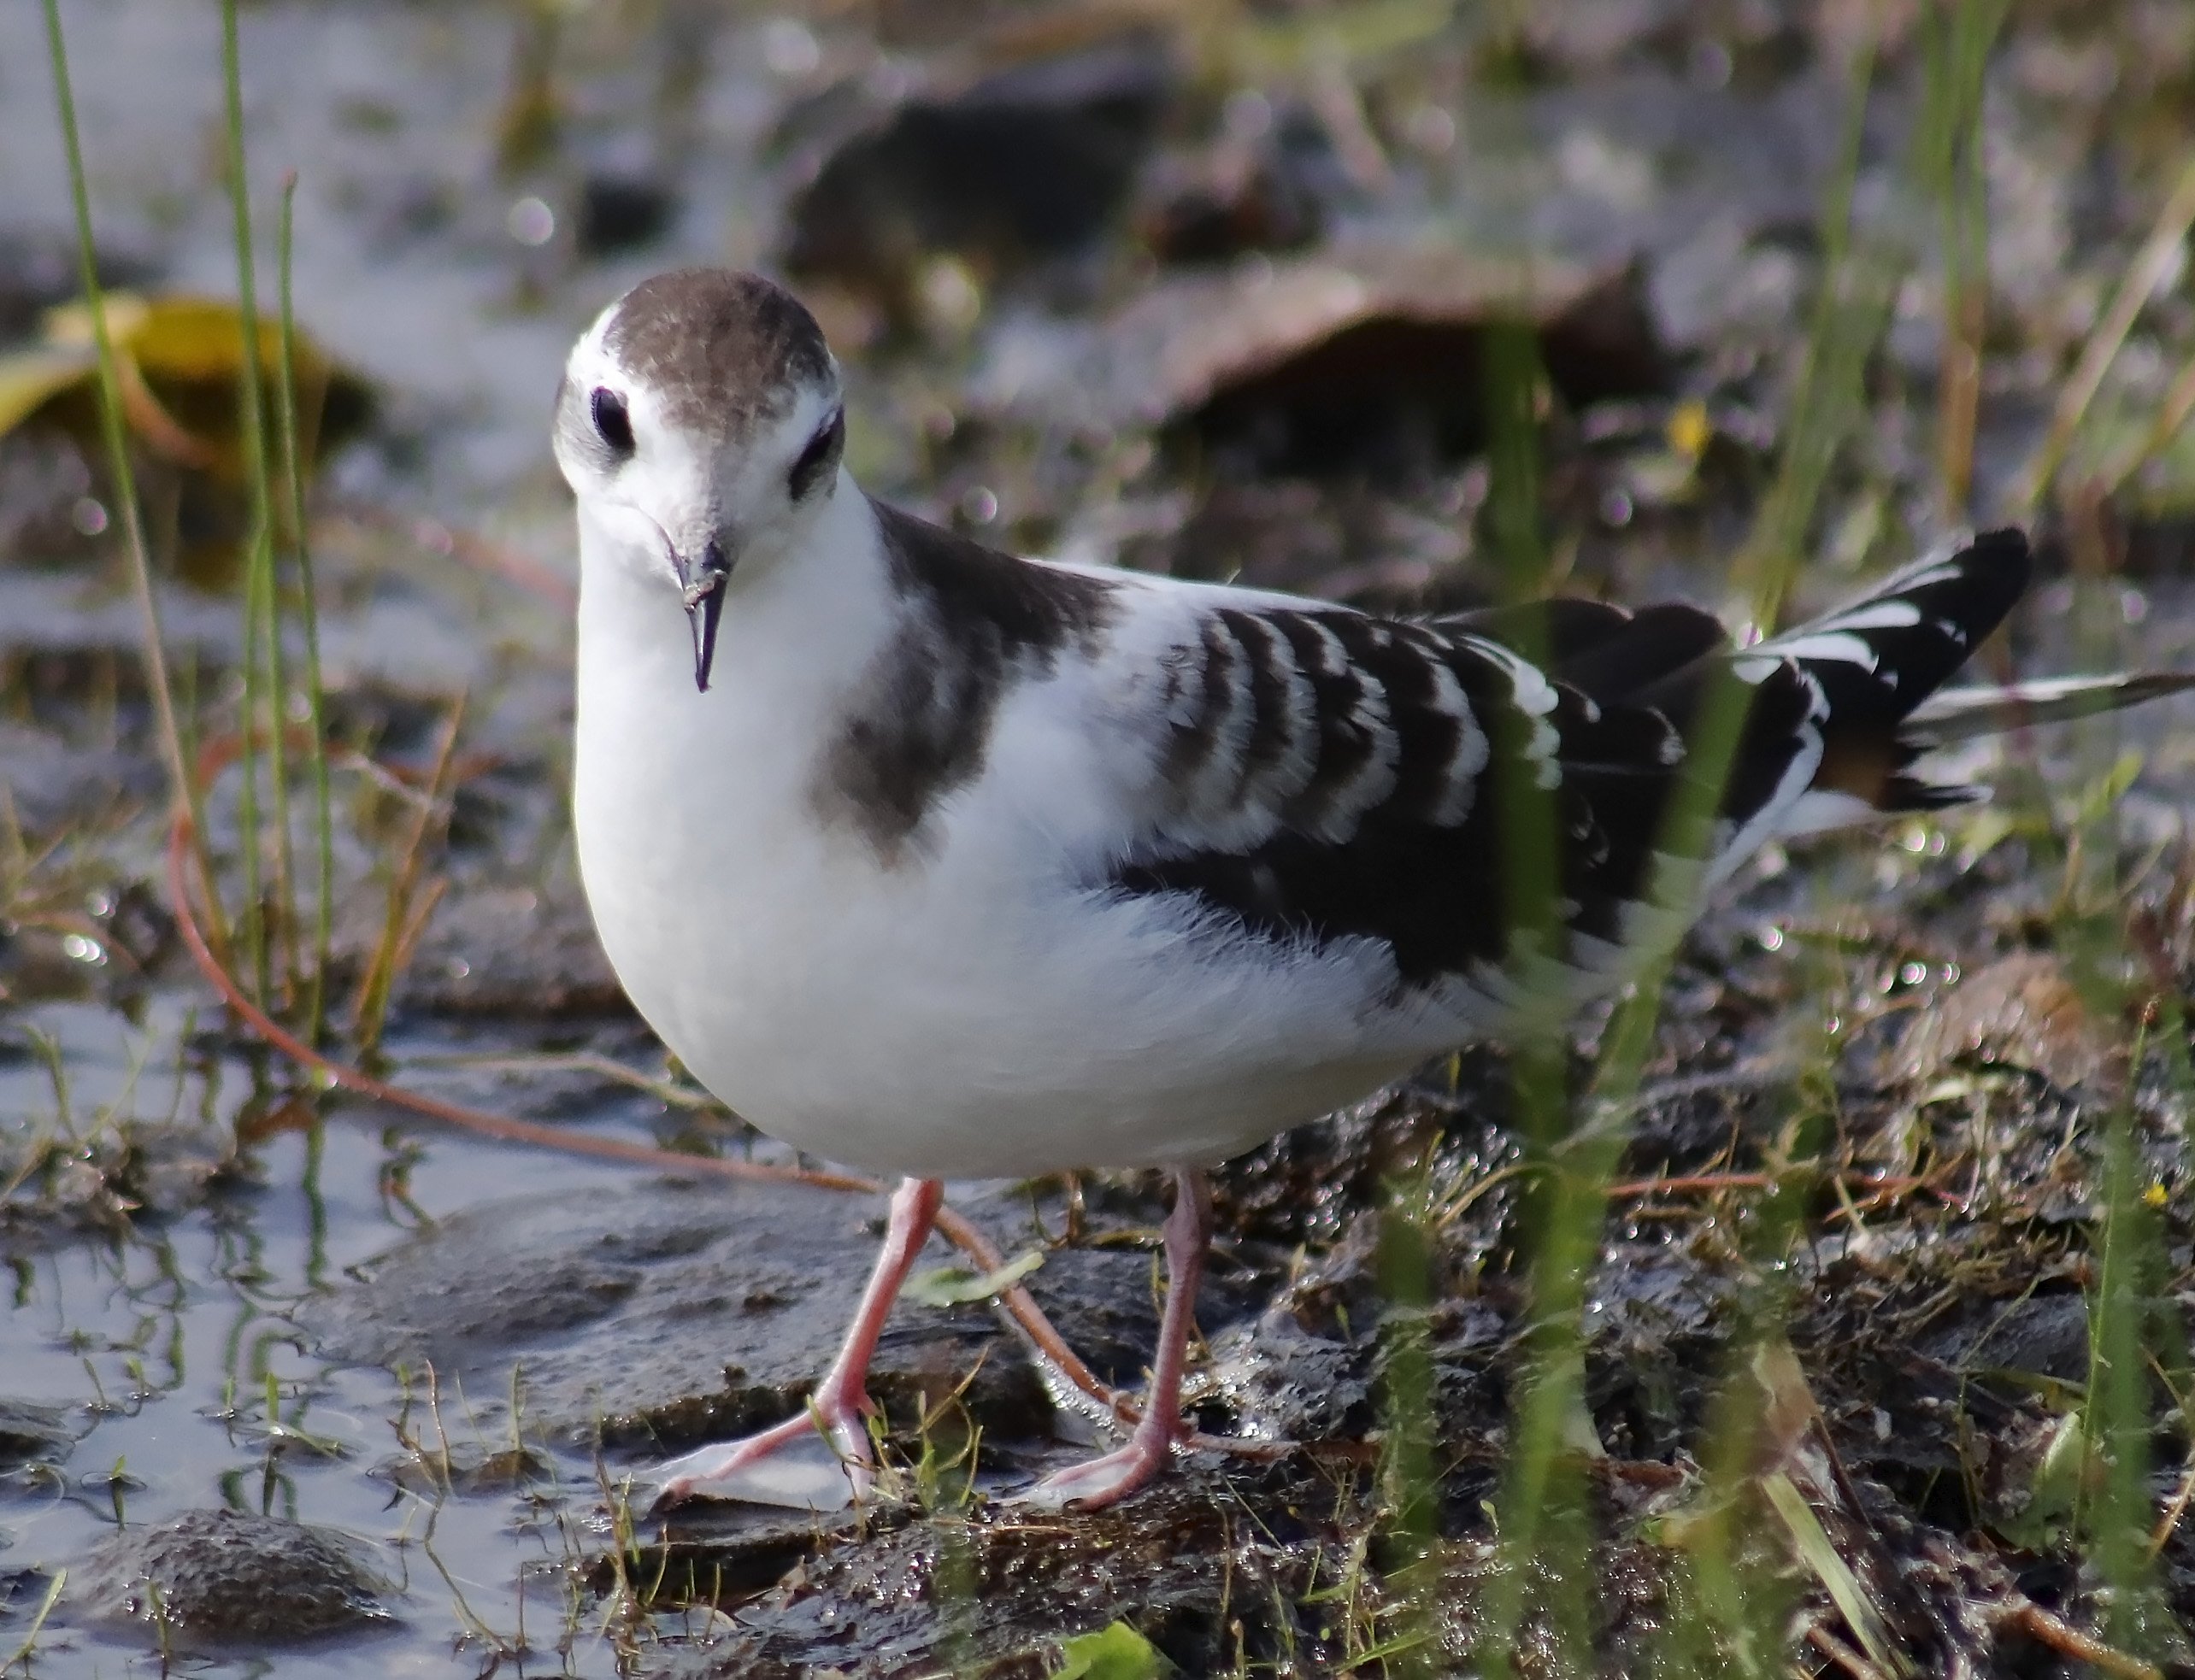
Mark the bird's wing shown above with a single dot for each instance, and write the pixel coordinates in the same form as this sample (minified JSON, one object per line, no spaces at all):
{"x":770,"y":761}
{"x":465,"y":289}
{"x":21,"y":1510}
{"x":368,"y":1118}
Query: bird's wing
{"x":1321,"y":774}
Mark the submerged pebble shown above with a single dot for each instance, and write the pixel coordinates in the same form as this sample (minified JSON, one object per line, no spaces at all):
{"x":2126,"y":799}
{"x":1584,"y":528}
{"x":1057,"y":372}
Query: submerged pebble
{"x":218,"y":1576}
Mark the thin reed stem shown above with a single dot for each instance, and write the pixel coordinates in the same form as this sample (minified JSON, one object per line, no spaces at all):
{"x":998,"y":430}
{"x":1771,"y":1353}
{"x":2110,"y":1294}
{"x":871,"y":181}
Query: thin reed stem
{"x":1956,"y":43}
{"x":258,"y":593}
{"x":309,"y":614}
{"x":182,"y":788}
{"x":403,"y":922}
{"x":2152,"y":263}
{"x":1849,"y":316}
{"x":264,"y":603}
{"x":2171,"y":415}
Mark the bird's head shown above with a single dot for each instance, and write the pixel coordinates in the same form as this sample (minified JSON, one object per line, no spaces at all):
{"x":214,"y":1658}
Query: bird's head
{"x":700,"y":423}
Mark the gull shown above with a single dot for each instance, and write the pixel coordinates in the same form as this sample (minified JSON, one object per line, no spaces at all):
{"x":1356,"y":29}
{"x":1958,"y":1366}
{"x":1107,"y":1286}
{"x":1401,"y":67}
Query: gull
{"x":949,"y":864}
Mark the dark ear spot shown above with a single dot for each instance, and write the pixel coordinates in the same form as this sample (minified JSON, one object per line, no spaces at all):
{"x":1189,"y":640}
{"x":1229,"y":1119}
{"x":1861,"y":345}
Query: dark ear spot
{"x":821,"y":456}
{"x":612,"y":424}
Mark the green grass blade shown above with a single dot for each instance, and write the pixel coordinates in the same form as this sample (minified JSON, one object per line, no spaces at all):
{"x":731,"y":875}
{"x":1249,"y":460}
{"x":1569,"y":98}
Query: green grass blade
{"x":308,"y":614}
{"x":2115,"y":1525}
{"x":1408,"y":1475}
{"x":22,"y":1652}
{"x":1542,"y":1524}
{"x":1820,"y":1555}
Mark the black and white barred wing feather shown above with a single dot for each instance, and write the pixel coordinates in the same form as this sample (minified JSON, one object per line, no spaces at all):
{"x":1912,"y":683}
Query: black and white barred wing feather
{"x":1323,"y":775}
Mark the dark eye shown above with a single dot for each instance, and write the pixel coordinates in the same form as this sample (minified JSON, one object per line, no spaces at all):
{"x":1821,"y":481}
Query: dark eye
{"x":611,"y":422}
{"x":821,"y":451}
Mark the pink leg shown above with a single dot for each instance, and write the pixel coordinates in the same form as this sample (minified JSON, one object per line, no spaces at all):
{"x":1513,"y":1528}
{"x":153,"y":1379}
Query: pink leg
{"x":1105,"y":1480}
{"x":841,"y":1399}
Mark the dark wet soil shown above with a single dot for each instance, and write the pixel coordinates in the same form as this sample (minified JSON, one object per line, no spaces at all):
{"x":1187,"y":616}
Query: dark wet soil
{"x":296,"y":1383}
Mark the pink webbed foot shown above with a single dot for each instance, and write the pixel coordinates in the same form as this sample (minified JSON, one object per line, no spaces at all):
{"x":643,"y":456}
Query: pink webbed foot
{"x":1100,"y":1481}
{"x":772,"y":1468}
{"x":1106,"y":1481}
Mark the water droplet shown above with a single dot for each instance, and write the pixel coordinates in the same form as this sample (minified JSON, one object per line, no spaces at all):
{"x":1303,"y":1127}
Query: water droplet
{"x":531,"y":222}
{"x":951,"y":298}
{"x":1432,"y":130}
{"x":1247,"y":114}
{"x":789,"y":47}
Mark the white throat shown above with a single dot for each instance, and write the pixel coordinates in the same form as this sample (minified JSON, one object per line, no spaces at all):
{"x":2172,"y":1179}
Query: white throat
{"x":797,"y":617}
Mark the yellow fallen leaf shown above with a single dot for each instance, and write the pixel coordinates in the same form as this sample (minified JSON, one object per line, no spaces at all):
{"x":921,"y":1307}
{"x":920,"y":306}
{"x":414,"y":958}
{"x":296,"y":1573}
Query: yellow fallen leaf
{"x":32,"y":377}
{"x":181,"y":361}
{"x":70,"y":324}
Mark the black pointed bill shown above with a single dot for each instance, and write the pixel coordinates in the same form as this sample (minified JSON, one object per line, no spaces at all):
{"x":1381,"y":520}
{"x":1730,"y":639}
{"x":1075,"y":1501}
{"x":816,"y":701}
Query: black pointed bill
{"x":704,"y":605}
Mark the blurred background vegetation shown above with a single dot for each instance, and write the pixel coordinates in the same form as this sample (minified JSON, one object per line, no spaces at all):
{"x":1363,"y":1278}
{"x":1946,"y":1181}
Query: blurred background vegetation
{"x":1822,"y":1310}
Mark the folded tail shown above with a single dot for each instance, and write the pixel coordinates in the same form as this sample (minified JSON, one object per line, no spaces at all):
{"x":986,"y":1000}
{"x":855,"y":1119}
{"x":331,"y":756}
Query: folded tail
{"x":1877,"y":666}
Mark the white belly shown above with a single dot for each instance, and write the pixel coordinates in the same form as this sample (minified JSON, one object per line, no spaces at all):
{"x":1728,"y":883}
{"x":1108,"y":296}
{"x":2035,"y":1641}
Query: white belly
{"x":965,"y":1014}
{"x":879,"y":1027}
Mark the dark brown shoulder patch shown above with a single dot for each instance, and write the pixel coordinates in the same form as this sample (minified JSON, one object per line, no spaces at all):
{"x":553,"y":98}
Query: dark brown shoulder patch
{"x":718,"y":343}
{"x":974,"y":624}
{"x":1028,"y":607}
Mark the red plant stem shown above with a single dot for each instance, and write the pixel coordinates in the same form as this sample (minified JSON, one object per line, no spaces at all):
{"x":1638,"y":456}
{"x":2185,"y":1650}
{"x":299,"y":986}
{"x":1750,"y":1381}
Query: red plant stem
{"x":1711,"y":1184}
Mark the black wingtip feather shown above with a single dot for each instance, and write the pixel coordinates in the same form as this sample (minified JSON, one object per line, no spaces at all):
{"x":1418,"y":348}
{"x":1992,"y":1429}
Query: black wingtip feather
{"x":1958,"y":595}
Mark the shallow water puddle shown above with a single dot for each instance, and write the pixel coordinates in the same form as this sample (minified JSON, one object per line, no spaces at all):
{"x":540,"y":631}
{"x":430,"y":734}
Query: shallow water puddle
{"x":157,"y":1352}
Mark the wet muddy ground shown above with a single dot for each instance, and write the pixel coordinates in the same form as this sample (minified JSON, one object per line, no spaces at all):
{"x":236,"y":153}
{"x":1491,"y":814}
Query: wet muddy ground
{"x":291,"y":1383}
